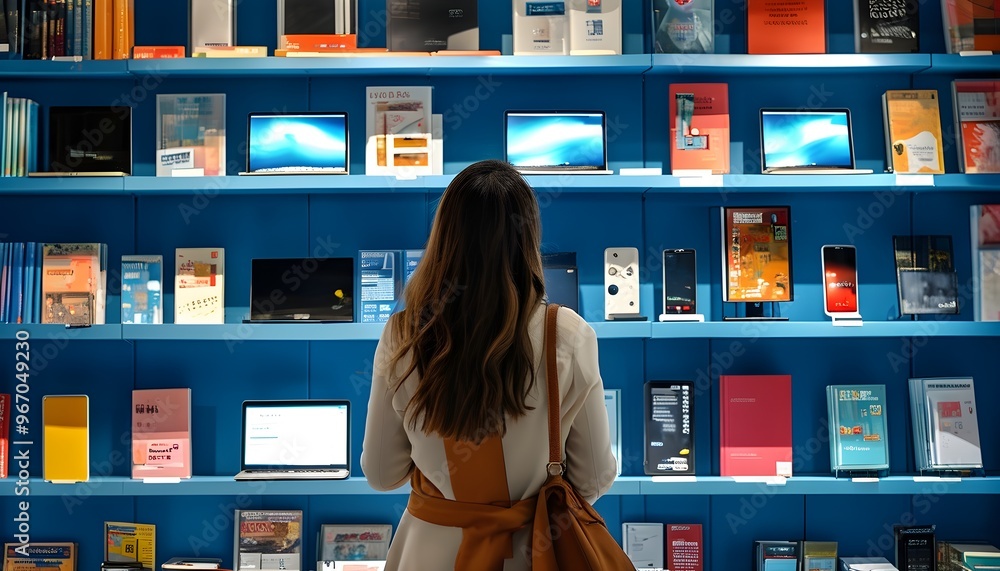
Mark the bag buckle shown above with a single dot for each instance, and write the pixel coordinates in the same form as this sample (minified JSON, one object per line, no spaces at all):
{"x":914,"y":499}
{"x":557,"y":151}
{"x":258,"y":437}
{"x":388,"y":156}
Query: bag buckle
{"x":555,"y":468}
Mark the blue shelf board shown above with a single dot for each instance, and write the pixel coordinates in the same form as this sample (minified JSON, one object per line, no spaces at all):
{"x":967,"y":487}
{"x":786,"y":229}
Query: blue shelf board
{"x":227,"y":486}
{"x":822,"y":329}
{"x":621,"y":329}
{"x":107,"y":486}
{"x":820,"y":485}
{"x":278,"y":184}
{"x":238,"y":332}
{"x":87,"y":185}
{"x":956,"y":63}
{"x":394,"y":65}
{"x":747,"y":64}
{"x":41,"y":332}
{"x":46,"y":69}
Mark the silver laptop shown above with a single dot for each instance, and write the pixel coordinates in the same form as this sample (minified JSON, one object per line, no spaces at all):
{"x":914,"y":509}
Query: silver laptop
{"x":556,"y":142}
{"x":807,"y":141}
{"x":297,"y":143}
{"x":296,"y":440}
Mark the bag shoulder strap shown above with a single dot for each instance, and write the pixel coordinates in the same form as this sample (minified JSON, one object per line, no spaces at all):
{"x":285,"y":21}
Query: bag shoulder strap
{"x":554,"y":466}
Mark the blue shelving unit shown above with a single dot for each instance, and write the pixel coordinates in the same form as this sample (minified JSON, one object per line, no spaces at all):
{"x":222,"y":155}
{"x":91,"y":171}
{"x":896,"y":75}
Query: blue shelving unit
{"x":746,"y":64}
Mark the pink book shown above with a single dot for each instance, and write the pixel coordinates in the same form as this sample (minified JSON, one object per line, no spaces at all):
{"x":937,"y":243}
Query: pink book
{"x":684,"y":547}
{"x":756,"y":425}
{"x":161,"y":433}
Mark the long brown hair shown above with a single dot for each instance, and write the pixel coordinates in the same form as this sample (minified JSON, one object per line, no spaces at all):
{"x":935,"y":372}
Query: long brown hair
{"x":468,"y":304}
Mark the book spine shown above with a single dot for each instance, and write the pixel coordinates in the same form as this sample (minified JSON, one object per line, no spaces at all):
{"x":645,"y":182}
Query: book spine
{"x":5,"y":404}
{"x":102,"y":29}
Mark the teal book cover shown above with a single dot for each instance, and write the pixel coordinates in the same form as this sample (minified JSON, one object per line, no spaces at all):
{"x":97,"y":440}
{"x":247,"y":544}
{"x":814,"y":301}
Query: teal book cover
{"x":859,"y":427}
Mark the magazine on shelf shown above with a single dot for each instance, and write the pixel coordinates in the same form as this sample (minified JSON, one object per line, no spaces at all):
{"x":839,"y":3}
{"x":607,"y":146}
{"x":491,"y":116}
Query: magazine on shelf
{"x":345,"y":543}
{"x":399,"y":131}
{"x":161,"y":433}
{"x":268,"y":539}
{"x":858,"y":428}
{"x":683,"y":26}
{"x":142,"y":289}
{"x":199,"y":285}
{"x":191,"y":134}
{"x":985,"y":226}
{"x":125,"y":542}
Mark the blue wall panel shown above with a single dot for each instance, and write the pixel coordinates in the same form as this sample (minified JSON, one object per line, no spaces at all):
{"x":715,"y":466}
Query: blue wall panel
{"x":738,"y":521}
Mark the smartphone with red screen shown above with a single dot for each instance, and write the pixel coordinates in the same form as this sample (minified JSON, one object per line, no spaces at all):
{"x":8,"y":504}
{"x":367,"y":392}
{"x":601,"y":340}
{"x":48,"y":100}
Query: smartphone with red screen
{"x":840,"y":280}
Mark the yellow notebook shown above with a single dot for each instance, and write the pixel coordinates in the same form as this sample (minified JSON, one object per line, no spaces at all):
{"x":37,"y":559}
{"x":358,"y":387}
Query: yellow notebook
{"x":912,"y":121}
{"x":65,"y":438}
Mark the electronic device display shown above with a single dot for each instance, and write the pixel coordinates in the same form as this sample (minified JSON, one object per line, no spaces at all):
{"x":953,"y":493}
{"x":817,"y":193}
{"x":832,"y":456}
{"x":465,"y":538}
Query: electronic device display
{"x":297,"y":143}
{"x":757,"y":262}
{"x":562,"y":283}
{"x":89,"y":140}
{"x":926,"y":280}
{"x":324,"y":17}
{"x":804,"y":140}
{"x":680,"y":282}
{"x":668,"y":420}
{"x":211,"y":23}
{"x":840,"y":280}
{"x":302,"y":289}
{"x":540,"y":142}
{"x":621,"y":282}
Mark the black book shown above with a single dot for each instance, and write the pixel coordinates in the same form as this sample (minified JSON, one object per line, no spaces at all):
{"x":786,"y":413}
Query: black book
{"x":915,"y":548}
{"x":668,"y":428}
{"x":886,"y":26}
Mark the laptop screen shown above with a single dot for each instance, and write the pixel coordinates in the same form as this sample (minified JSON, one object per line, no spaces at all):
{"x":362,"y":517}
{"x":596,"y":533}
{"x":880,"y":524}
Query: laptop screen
{"x":554,"y":140}
{"x":297,"y":434}
{"x":297,"y":142}
{"x":792,"y":138}
{"x":302,"y":289}
{"x":73,"y":146}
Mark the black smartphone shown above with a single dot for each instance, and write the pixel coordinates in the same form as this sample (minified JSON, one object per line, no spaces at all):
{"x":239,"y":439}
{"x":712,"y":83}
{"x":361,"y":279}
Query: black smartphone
{"x":680,"y":282}
{"x":668,"y":427}
{"x":840,"y":280}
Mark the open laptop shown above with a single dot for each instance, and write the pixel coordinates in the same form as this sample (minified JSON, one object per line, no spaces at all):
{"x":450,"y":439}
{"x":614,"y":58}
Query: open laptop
{"x":296,"y":439}
{"x":562,"y":283}
{"x":298,"y":290}
{"x":807,"y":141}
{"x":297,"y":143}
{"x":88,"y":141}
{"x":556,"y":142}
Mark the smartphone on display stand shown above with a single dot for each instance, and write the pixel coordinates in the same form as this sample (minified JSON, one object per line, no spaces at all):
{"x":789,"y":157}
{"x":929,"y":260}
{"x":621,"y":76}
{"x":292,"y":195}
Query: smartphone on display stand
{"x":680,"y":286}
{"x":840,"y":284}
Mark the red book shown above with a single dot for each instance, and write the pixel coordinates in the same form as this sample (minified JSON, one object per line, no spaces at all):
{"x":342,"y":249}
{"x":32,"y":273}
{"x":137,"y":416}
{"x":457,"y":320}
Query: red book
{"x":786,"y":27}
{"x":158,"y":52}
{"x":699,"y":134}
{"x":755,"y":413}
{"x":685,"y":549}
{"x":977,"y":116}
{"x":4,"y":433}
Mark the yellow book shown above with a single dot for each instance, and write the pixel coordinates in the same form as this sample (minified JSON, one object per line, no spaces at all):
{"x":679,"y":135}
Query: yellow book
{"x":124,"y":541}
{"x":912,"y":121}
{"x":65,"y":438}
{"x":39,"y":557}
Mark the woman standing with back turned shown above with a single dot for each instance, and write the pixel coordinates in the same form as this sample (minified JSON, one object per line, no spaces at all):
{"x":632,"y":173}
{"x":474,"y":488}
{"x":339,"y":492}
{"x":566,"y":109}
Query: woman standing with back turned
{"x":458,"y":404}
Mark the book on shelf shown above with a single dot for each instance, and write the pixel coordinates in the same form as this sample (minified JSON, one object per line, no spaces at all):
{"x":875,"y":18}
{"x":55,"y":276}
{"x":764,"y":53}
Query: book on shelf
{"x":330,"y":21}
{"x":268,"y":539}
{"x":66,"y":438}
{"x":858,"y":428}
{"x":886,"y":26}
{"x":945,"y":424}
{"x":866,"y":564}
{"x":755,"y":416}
{"x":668,"y":428}
{"x":977,"y":118}
{"x":40,"y":556}
{"x":541,"y":28}
{"x":683,"y":26}
{"x":380,"y":284}
{"x":161,"y":433}
{"x":19,"y":138}
{"x":5,"y":403}
{"x":643,"y":544}
{"x":74,"y":278}
{"x":123,"y":20}
{"x":311,"y":42}
{"x":915,"y":547}
{"x":19,"y":282}
{"x":344,"y":543}
{"x":612,"y":403}
{"x":158,"y":52}
{"x":818,"y":556}
{"x":398,"y":128}
{"x":967,"y":556}
{"x":786,"y":26}
{"x":685,"y":547}
{"x":912,"y":124}
{"x":776,"y":555}
{"x":985,"y":226}
{"x":127,"y":542}
{"x":699,"y":127}
{"x":192,"y":563}
{"x":926,"y":281}
{"x":430,"y":26}
{"x":142,"y":289}
{"x":211,"y":23}
{"x":199,"y":285}
{"x":212,"y":52}
{"x":191,"y":133}
{"x":970,"y":26}
{"x":595,"y":27}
